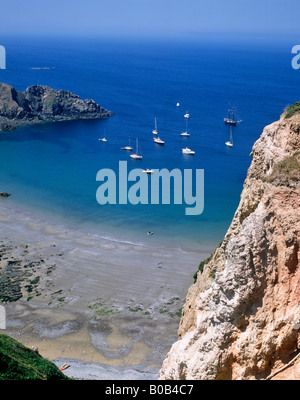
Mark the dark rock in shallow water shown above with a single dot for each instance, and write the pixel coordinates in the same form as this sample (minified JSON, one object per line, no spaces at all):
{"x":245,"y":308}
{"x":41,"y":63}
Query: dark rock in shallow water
{"x":44,"y":104}
{"x":4,"y":194}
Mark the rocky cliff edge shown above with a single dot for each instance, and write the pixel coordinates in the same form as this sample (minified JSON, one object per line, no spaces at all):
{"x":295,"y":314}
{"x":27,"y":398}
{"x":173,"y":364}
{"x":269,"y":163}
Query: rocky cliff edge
{"x":241,"y":318}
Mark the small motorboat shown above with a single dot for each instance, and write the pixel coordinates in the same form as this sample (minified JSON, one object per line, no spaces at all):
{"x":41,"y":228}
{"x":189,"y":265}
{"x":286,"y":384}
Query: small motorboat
{"x":148,"y":171}
{"x":188,"y":151}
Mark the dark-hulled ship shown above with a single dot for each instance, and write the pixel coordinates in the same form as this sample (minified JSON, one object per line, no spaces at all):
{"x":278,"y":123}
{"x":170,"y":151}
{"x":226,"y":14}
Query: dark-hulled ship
{"x":231,"y":120}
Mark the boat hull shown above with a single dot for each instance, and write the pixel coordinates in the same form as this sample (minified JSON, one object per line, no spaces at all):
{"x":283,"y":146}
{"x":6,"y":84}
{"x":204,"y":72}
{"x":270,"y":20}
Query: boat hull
{"x":230,"y":122}
{"x":188,"y":152}
{"x":135,"y":157}
{"x":158,"y":141}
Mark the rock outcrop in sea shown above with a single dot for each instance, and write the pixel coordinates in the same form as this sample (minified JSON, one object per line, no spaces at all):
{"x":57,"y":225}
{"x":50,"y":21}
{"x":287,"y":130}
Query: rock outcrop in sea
{"x":241,"y":319}
{"x":44,"y":104}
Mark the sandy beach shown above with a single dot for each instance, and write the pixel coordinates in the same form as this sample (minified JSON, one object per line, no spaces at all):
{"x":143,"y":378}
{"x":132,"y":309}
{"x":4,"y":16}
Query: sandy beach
{"x":109,"y":308}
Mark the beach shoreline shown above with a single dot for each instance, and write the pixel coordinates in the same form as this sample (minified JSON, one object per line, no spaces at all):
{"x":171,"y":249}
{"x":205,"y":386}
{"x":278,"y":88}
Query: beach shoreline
{"x":92,"y":300}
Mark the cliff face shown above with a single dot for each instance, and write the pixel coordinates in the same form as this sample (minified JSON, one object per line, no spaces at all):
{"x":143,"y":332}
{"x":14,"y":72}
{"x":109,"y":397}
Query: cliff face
{"x":41,"y":104}
{"x":241,"y":319}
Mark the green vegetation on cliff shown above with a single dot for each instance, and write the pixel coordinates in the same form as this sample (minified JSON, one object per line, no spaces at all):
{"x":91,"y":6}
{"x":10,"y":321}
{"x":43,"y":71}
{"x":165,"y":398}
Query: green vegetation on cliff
{"x":291,"y":110}
{"x":17,"y":362}
{"x":201,"y":267}
{"x":288,"y":168}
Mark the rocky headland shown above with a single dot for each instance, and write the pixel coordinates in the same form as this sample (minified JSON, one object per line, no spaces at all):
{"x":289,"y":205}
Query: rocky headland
{"x":43,"y":104}
{"x":241,"y":319}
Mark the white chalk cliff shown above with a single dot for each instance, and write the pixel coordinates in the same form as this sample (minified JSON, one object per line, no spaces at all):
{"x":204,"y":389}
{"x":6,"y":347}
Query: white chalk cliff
{"x":241,"y":318}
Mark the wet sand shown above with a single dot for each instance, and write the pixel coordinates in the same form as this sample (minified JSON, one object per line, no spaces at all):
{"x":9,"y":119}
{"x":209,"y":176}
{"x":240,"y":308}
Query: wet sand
{"x":111,"y":308}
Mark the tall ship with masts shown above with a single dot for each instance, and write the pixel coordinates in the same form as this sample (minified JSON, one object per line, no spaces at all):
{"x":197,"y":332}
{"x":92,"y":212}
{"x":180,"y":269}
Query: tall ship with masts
{"x":231,"y":119}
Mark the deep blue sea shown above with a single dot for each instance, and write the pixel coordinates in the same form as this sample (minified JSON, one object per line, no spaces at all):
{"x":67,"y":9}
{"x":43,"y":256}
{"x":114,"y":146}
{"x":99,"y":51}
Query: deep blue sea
{"x":52,"y":167}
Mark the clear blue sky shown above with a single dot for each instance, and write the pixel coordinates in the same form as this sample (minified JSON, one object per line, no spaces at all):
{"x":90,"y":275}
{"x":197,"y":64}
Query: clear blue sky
{"x":149,"y":17}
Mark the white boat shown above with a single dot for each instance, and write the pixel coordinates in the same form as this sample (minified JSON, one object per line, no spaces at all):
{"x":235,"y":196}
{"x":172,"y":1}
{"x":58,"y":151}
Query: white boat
{"x":158,"y":141}
{"x":155,"y":132}
{"x":136,"y":156}
{"x":177,"y":105}
{"x":230,"y":142}
{"x":104,"y":138}
{"x":129,"y":148}
{"x":186,"y":132}
{"x":148,"y":171}
{"x":187,"y":115}
{"x":188,"y":151}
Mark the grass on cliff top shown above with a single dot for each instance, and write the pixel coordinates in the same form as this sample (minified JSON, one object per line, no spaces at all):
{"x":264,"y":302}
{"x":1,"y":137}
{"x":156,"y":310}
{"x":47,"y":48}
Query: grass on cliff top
{"x":291,"y":110}
{"x":17,"y":362}
{"x":290,"y":167}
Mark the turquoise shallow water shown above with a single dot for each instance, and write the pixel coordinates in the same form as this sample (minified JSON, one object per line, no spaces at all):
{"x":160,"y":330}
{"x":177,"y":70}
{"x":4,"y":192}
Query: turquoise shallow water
{"x":52,"y":167}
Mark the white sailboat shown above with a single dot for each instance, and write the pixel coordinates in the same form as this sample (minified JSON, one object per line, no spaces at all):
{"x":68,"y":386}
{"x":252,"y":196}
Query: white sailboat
{"x":129,"y":148}
{"x":158,"y":141}
{"x":155,"y":132}
{"x":230,"y":142}
{"x":137,"y":155}
{"x":186,"y":131}
{"x":104,"y":138}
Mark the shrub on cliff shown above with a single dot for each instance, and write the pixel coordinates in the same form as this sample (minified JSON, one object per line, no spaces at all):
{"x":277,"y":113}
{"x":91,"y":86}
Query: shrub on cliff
{"x":291,"y":110}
